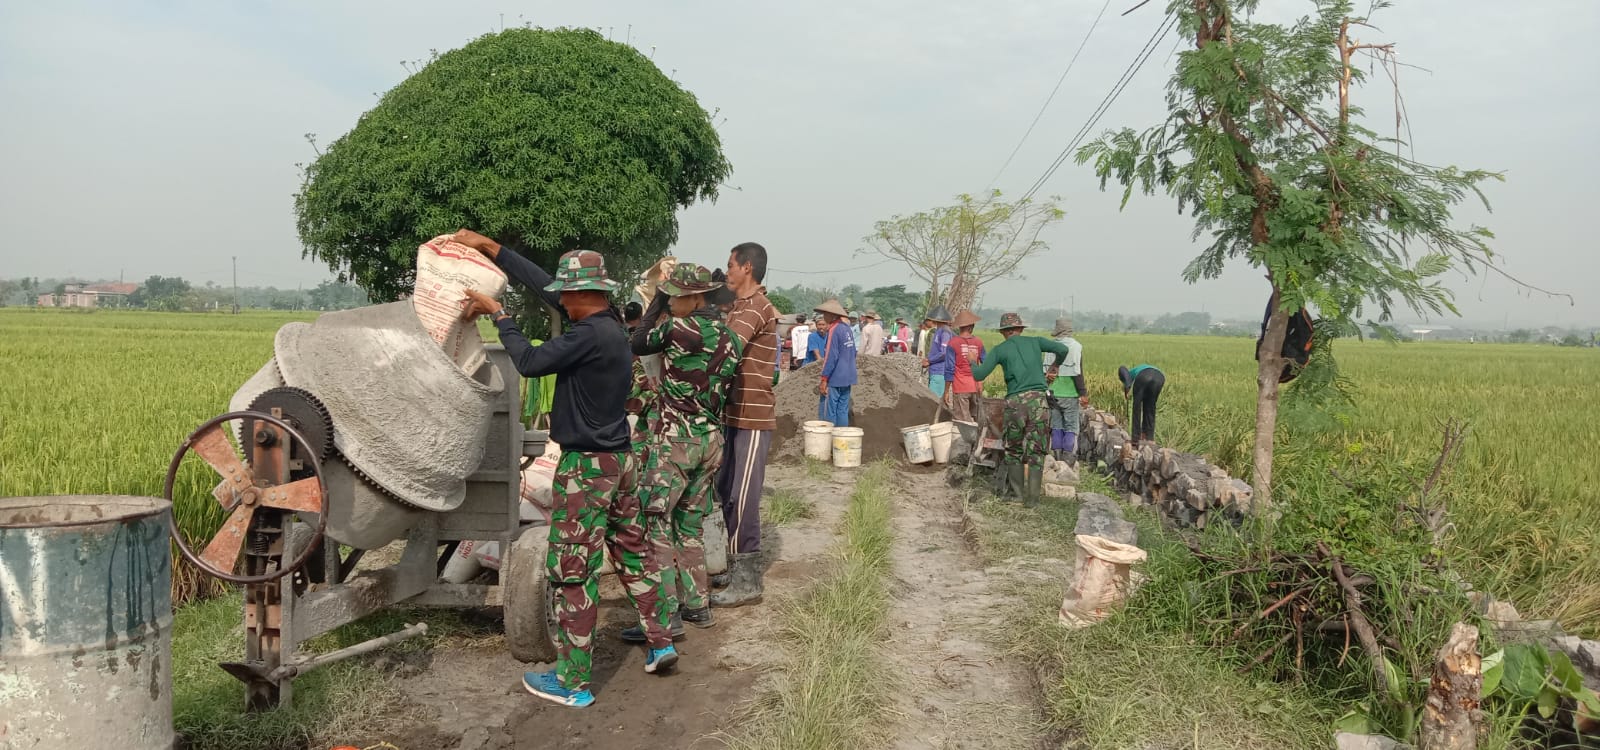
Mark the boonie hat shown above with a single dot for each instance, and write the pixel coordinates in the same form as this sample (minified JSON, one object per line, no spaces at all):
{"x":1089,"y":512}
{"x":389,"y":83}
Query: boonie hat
{"x":1011,"y":320}
{"x":581,"y":271}
{"x":689,"y":278}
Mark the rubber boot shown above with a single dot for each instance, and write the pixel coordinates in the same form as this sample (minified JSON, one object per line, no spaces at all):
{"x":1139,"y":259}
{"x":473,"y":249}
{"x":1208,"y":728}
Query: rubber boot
{"x":721,"y":580}
{"x":1035,"y":488}
{"x":1016,"y":489}
{"x":745,"y":588}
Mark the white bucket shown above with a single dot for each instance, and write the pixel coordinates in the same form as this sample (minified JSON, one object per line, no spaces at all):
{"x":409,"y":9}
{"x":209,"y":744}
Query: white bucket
{"x":919,"y":444}
{"x":819,"y":439}
{"x":942,"y":434}
{"x":847,"y":447}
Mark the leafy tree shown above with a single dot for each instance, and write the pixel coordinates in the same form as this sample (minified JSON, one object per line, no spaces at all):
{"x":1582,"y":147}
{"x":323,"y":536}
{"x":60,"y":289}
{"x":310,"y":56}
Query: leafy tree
{"x":162,"y":293}
{"x":892,"y":301}
{"x":1520,"y":336}
{"x":957,"y":249}
{"x":1260,"y":146}
{"x":784,"y":304}
{"x":337,"y":295}
{"x":545,"y":139}
{"x":7,"y":289}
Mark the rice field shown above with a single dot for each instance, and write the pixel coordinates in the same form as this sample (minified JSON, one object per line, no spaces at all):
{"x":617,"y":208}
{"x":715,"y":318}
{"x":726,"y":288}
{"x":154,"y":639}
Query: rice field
{"x":96,"y":402}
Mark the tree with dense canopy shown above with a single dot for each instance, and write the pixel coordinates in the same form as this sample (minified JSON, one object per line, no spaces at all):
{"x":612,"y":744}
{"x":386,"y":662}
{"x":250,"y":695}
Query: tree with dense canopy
{"x":546,"y":140}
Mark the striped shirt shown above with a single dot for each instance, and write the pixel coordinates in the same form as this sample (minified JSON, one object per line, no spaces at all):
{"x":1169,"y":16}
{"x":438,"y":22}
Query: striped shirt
{"x":751,"y":405}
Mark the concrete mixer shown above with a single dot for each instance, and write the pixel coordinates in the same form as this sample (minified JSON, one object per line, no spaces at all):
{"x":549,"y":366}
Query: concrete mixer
{"x":363,"y":431}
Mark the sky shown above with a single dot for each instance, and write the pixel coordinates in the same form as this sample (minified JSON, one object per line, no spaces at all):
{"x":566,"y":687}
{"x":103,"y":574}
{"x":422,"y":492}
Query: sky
{"x":165,"y":138}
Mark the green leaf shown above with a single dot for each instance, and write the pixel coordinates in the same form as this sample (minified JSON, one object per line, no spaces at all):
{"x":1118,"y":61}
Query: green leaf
{"x":1561,"y":668}
{"x":1391,"y":674}
{"x":1548,"y":701}
{"x":1525,"y":669}
{"x":1355,"y":721}
{"x":1492,"y":674}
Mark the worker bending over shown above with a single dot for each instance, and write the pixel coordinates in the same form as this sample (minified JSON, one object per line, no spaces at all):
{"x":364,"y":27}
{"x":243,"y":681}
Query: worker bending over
{"x":593,"y":488}
{"x":1026,"y":429}
{"x":677,"y":483}
{"x":1144,"y":382}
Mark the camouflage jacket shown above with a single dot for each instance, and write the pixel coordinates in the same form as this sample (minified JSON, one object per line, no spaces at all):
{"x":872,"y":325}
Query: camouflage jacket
{"x":642,"y":403}
{"x":700,"y":358}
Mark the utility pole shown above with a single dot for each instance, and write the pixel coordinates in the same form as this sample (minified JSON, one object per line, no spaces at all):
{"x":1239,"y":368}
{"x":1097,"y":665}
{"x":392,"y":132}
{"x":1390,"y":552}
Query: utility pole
{"x":235,"y":285}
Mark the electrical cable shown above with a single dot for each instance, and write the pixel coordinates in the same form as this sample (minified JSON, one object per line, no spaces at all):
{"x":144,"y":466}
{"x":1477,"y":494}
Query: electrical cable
{"x":1167,"y":23}
{"x":1052,"y":95}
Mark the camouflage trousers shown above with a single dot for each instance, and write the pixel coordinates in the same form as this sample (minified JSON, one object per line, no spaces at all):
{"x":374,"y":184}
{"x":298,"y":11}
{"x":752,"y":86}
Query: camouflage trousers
{"x":1026,"y":430}
{"x":677,"y":488}
{"x":597,"y":506}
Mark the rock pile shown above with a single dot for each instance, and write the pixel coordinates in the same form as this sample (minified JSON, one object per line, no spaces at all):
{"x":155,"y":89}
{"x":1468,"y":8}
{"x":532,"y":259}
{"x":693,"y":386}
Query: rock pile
{"x":1184,"y":487}
{"x":891,"y":392}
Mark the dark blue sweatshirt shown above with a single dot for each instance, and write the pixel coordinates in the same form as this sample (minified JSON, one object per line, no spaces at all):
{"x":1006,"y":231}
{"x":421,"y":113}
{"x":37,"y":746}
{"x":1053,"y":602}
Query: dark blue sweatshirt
{"x":592,"y":363}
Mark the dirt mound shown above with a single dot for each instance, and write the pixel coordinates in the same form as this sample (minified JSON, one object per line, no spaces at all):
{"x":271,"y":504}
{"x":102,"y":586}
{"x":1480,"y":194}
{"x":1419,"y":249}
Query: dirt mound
{"x":891,"y":392}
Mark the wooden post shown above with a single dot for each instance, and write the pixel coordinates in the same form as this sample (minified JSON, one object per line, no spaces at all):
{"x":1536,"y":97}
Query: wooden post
{"x":1450,"y":717}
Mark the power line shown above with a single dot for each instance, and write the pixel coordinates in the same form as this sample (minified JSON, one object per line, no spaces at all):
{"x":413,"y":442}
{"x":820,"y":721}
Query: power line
{"x":1052,"y":95}
{"x":1167,"y":23}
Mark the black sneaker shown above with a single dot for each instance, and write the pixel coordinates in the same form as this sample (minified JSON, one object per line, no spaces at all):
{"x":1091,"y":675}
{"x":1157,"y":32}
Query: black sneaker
{"x":635,"y":634}
{"x":700,"y":618}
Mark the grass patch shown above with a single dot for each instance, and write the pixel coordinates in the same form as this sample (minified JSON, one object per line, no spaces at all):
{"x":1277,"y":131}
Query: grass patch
{"x":1139,"y":679}
{"x":833,"y":686}
{"x":785,"y":506}
{"x":818,"y":470}
{"x":337,"y":701}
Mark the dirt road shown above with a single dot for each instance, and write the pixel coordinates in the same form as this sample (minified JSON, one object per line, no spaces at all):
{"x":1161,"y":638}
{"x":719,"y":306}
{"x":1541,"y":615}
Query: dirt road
{"x":956,"y":693}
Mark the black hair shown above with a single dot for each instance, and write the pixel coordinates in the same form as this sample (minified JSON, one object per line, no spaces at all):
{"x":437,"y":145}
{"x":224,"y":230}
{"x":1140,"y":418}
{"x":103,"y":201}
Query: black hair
{"x":752,"y":255}
{"x":722,"y":295}
{"x":1125,"y":375}
{"x":632,"y":312}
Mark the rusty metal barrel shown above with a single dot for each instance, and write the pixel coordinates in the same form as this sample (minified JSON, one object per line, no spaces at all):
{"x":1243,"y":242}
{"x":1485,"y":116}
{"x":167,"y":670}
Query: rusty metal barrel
{"x":85,"y":623}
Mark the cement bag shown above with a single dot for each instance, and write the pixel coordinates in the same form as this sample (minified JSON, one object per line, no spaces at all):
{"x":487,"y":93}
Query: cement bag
{"x":487,"y":554}
{"x":1100,"y":580}
{"x":462,"y":566}
{"x":539,"y":478}
{"x":445,"y":270}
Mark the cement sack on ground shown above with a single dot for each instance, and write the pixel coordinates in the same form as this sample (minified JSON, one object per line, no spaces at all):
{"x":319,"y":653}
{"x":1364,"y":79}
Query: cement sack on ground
{"x":1100,"y":581}
{"x":445,"y":270}
{"x":891,"y":392}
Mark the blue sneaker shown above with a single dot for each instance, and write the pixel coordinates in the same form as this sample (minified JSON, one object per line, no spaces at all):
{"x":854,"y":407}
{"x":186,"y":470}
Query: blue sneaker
{"x":547,"y":686}
{"x":661,"y":659}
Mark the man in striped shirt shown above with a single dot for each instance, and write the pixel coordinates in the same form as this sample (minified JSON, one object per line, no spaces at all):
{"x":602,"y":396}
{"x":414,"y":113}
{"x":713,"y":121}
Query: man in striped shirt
{"x":748,"y":420}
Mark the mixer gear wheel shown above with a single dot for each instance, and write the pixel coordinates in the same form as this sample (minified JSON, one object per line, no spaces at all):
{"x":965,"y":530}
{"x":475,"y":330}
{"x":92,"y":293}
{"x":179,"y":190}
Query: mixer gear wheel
{"x":365,"y":479}
{"x":302,"y":410}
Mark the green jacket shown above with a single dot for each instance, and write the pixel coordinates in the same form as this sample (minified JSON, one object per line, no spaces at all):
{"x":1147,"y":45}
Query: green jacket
{"x":1020,"y":357}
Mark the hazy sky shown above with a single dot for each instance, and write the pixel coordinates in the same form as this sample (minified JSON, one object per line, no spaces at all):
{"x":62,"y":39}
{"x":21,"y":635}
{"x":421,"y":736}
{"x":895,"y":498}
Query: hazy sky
{"x":162,"y":138}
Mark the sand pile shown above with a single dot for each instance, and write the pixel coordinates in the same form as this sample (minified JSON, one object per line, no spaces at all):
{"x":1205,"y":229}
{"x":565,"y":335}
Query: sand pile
{"x":891,"y":392}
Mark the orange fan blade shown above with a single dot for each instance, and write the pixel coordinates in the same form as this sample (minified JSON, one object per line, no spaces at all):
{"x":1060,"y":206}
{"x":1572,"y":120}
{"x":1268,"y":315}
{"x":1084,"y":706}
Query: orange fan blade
{"x":303,"y":496}
{"x":223,"y":551}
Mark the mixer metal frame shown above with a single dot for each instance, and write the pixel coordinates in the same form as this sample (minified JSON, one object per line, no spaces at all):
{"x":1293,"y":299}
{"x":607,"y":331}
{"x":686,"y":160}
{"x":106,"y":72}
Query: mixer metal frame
{"x":330,"y":591}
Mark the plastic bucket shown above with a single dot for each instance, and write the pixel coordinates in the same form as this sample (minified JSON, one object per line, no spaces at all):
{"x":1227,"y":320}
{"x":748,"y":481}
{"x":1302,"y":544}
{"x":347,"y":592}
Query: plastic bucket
{"x":942,"y":434}
{"x":819,"y":439}
{"x":919,"y":443}
{"x":847,"y":447}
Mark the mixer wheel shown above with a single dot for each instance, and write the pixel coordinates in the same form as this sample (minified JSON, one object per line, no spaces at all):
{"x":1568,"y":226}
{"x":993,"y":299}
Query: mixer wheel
{"x":528,"y":599}
{"x":255,"y":509}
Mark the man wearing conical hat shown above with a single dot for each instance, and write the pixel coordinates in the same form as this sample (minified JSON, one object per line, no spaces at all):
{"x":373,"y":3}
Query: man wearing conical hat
{"x":699,"y":361}
{"x":937,"y":350}
{"x":966,"y":397}
{"x":838,"y":364}
{"x":1027,"y":420}
{"x":593,"y":488}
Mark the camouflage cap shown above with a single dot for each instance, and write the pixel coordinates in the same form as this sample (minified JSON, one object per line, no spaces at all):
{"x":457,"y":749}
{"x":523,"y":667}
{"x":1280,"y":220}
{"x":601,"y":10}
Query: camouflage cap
{"x":1011,"y":320}
{"x":690,"y":278}
{"x":581,"y":271}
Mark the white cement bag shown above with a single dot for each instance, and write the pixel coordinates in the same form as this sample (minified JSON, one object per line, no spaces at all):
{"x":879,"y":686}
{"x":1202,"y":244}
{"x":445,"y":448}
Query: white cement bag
{"x":445,"y":270}
{"x":463,"y":566}
{"x":1100,"y":581}
{"x":487,"y":554}
{"x":539,"y":478}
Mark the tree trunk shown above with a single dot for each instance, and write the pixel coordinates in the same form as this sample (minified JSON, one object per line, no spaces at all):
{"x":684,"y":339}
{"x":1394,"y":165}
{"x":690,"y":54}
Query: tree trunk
{"x":1267,"y":372}
{"x":1450,"y":718}
{"x":962,"y":292}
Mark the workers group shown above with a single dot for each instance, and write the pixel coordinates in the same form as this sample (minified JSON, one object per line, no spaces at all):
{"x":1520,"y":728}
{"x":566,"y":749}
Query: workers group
{"x":701,"y":428}
{"x":700,"y":435}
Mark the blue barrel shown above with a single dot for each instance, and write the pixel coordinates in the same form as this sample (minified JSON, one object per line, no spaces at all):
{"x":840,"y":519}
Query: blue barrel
{"x":85,"y":623}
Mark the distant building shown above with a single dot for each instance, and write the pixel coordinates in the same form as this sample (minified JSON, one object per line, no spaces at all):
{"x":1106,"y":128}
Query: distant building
{"x":111,"y":294}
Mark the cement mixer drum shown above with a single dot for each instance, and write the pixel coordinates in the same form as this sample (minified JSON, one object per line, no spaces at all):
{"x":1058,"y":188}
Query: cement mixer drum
{"x":404,"y":414}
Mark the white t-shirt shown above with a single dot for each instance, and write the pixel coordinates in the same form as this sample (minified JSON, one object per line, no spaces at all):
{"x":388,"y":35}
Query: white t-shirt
{"x":798,"y":337}
{"x":1073,"y":364}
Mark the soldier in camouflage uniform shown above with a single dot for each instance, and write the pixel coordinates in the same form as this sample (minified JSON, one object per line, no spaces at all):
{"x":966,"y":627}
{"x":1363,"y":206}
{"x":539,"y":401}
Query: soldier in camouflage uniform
{"x":1026,"y":430}
{"x":700,"y":358}
{"x":595,"y":501}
